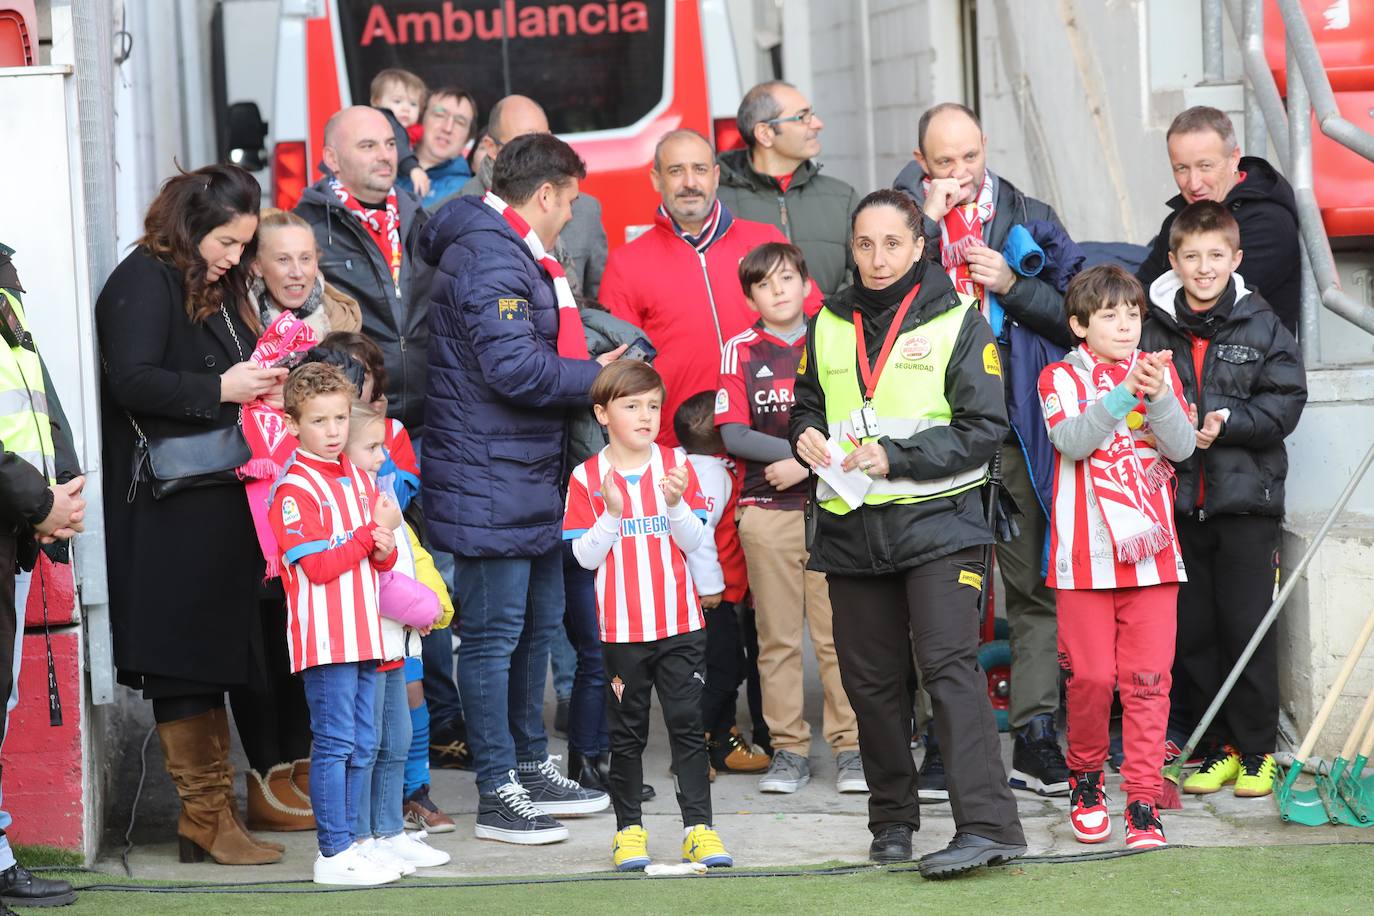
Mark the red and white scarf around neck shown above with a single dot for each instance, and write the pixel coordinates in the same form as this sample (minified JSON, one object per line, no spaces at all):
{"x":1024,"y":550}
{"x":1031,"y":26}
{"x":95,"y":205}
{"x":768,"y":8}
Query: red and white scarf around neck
{"x":383,"y":225}
{"x":1127,"y":476}
{"x":962,"y":229}
{"x":572,"y":337}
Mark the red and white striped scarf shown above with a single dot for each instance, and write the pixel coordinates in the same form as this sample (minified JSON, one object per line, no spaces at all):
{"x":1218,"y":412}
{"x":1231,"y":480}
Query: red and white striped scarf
{"x":1127,"y":475}
{"x":572,"y":337}
{"x":383,"y":225}
{"x":962,"y":229}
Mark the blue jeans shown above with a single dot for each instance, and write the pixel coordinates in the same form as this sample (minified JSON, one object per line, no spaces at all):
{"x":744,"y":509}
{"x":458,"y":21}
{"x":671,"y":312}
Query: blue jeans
{"x":21,"y":599}
{"x":379,"y":809}
{"x":587,"y":732}
{"x":441,"y":692}
{"x":342,"y":702}
{"x":510,"y":607}
{"x":563,"y":659}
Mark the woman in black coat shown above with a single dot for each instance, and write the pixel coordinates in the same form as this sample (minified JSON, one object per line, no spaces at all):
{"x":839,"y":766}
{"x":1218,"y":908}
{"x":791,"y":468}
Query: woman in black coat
{"x":175,"y":332}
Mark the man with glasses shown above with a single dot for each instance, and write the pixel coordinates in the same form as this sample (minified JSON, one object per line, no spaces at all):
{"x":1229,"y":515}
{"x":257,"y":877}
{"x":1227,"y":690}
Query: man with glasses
{"x":1207,"y":165}
{"x":582,"y":246}
{"x":448,"y":119}
{"x":776,"y":179}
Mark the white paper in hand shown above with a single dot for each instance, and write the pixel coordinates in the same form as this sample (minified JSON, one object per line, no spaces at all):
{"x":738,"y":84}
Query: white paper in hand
{"x":851,"y":486}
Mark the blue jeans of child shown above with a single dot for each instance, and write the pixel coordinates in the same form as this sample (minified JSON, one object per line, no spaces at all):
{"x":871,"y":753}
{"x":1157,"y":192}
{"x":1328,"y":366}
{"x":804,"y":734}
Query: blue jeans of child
{"x":379,"y":809}
{"x":342,"y":701}
{"x":510,"y":607}
{"x":587,"y":732}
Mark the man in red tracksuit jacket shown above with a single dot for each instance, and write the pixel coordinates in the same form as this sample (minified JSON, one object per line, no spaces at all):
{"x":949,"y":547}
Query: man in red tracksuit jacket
{"x":680,"y":280}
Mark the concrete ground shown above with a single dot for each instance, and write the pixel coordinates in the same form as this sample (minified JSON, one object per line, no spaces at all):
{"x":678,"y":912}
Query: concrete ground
{"x":815,"y":825}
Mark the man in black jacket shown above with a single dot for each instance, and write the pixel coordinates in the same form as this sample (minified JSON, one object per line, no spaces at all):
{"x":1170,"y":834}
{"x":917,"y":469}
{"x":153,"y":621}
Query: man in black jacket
{"x":1243,"y":377}
{"x":34,"y":510}
{"x":352,"y":211}
{"x":1207,"y":165}
{"x":968,"y":212}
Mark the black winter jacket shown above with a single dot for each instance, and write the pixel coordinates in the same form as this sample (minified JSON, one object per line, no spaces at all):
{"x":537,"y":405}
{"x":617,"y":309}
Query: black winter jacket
{"x":881,"y":540}
{"x":399,"y":324}
{"x":813,"y":212}
{"x":1252,"y":367}
{"x":1264,"y":206}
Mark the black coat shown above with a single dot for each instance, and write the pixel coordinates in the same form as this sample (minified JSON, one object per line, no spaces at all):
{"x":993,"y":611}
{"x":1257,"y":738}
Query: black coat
{"x":886,"y":539}
{"x":399,"y":324}
{"x":1264,"y":206}
{"x":183,"y":571}
{"x":1254,"y":368}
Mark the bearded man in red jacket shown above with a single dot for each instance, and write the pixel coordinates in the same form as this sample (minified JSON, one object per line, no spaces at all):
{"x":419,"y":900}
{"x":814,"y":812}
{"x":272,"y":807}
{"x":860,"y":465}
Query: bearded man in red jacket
{"x":680,"y":280}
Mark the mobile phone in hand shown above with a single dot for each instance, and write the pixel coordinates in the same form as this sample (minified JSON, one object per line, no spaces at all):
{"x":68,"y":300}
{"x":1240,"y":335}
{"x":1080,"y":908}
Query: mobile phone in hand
{"x":640,"y":350}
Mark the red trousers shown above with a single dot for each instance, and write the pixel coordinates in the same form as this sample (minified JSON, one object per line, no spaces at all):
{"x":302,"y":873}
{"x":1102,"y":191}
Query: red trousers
{"x":1119,"y":640}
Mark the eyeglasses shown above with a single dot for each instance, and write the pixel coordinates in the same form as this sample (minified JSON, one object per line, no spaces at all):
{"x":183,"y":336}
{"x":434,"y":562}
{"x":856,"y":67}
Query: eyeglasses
{"x":805,"y":116}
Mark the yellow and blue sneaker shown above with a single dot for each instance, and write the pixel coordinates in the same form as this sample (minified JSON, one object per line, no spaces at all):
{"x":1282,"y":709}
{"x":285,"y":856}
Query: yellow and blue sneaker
{"x":702,"y":844}
{"x":1256,"y":778}
{"x":1220,"y":768}
{"x":630,"y":848}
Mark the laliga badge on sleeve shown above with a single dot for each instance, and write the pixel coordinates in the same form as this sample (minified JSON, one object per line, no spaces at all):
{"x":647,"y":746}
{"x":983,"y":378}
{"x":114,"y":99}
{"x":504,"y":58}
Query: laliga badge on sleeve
{"x":290,"y":512}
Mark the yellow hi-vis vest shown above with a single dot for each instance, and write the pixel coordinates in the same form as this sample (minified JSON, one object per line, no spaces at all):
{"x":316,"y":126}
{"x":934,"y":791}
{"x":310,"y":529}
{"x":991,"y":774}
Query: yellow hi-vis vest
{"x":910,"y":397}
{"x":24,"y":427}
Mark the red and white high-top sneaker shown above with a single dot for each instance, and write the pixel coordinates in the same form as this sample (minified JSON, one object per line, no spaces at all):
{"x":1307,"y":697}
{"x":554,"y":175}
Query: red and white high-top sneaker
{"x":1088,"y":808}
{"x":1144,"y":830}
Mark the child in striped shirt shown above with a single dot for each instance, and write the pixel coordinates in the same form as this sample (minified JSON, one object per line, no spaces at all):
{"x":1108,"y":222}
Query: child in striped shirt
{"x":336,"y":534}
{"x":1115,"y":415}
{"x":634,"y":511}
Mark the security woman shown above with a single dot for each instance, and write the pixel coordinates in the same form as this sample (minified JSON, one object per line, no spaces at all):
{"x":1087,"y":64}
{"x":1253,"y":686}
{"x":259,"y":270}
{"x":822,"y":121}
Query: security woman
{"x":901,"y":374}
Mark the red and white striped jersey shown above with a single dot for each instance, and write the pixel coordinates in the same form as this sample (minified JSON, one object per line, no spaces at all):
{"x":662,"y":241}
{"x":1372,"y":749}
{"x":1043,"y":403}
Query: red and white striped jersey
{"x":318,"y":507}
{"x":1081,"y":551}
{"x":644,"y":590}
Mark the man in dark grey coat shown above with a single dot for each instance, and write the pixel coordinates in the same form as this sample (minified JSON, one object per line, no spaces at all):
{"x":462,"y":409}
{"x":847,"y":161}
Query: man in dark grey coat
{"x":777,"y":180}
{"x":582,"y":246}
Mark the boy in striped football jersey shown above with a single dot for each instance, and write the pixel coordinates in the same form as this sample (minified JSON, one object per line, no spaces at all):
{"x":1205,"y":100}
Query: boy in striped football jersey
{"x":634,"y":511}
{"x":336,"y":534}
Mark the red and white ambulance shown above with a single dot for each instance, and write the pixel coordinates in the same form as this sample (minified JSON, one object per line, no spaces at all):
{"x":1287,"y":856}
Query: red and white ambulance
{"x":613,"y":76}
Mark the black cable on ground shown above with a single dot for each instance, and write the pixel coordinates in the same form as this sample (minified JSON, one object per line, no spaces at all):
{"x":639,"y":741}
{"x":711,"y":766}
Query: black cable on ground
{"x":290,"y":886}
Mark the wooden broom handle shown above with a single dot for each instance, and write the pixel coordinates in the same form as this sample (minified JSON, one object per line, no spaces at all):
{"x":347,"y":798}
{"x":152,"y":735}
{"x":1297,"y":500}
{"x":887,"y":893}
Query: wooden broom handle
{"x":1361,"y":722}
{"x":1336,"y":687}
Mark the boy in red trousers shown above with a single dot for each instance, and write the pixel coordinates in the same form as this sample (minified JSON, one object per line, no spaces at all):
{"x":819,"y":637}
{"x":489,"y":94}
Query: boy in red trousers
{"x":1115,"y":415}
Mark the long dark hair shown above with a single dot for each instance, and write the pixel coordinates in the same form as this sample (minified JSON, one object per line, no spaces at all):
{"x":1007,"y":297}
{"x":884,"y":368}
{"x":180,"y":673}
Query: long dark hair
{"x":188,"y":208}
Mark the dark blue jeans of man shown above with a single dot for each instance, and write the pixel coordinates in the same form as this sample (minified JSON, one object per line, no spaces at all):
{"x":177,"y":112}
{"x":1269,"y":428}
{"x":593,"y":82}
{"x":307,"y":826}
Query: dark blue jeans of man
{"x":587,"y":732}
{"x":343,"y":700}
{"x":510,"y":608}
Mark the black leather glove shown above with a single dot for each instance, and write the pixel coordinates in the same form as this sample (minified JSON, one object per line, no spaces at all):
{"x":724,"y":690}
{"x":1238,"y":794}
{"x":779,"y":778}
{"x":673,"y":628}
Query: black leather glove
{"x":1006,"y":527}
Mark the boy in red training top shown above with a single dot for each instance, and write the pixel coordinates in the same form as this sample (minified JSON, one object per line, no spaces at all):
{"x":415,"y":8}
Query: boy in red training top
{"x":1114,"y":415}
{"x":335,"y":535}
{"x":634,"y":510}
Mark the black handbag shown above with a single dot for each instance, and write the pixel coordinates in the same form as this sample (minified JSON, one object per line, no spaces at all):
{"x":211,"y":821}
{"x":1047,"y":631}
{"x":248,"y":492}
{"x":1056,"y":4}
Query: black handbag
{"x":209,"y":458}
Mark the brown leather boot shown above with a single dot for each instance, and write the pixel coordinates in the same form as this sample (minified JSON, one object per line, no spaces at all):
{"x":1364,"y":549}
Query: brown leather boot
{"x":222,"y":738}
{"x":300,"y":780}
{"x":272,"y":802}
{"x":207,"y":823}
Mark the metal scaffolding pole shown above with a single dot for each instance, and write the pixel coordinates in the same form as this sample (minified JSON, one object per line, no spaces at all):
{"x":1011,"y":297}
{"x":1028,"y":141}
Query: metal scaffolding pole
{"x":1213,"y":68}
{"x":1252,"y":36}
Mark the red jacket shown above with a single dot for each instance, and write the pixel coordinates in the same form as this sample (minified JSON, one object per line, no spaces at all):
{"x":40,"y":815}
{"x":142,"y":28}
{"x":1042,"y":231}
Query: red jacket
{"x":659,"y":283}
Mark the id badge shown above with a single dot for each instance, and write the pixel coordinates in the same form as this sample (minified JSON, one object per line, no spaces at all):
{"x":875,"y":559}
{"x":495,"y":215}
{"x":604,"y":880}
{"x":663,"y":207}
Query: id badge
{"x":859,"y":420}
{"x":871,"y":421}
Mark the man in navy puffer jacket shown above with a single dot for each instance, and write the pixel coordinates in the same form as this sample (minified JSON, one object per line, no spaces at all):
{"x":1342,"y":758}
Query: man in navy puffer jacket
{"x":496,"y":425}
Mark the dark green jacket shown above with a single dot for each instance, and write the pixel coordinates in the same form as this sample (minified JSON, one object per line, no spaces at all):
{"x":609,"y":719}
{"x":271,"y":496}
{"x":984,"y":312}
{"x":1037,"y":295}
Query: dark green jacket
{"x":887,"y":539}
{"x":813,"y":213}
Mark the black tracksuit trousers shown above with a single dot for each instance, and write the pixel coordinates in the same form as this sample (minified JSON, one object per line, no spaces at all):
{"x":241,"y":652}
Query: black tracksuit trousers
{"x":876,"y":621}
{"x":1231,"y":562}
{"x":675,"y":668}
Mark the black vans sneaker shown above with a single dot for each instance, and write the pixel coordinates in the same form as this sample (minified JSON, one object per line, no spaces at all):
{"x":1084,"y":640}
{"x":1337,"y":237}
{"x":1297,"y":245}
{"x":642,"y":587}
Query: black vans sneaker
{"x":552,"y":792}
{"x":1037,"y":763}
{"x":508,"y":815}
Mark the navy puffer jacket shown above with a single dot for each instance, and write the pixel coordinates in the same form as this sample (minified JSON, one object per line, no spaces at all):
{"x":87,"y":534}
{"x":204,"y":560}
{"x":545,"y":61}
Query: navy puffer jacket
{"x":497,"y":409}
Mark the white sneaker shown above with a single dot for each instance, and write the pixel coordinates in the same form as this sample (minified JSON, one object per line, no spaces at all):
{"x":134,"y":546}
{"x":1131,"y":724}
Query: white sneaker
{"x":412,"y":848}
{"x":353,"y":868}
{"x":383,"y":855}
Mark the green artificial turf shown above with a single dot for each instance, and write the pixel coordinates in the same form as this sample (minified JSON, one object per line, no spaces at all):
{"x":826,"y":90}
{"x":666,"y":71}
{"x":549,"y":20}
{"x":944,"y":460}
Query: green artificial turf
{"x":1301,"y":879}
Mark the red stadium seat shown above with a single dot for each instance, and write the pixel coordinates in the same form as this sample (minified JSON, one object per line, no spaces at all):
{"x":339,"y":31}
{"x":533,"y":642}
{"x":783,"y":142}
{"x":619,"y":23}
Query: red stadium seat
{"x":1342,"y":178}
{"x":1344,"y":32}
{"x":18,"y":33}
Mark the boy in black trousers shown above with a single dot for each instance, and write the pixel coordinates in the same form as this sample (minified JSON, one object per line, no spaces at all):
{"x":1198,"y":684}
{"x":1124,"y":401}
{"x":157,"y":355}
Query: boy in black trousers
{"x":1243,"y":377}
